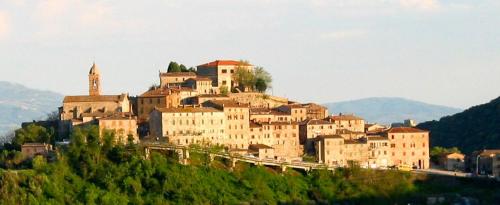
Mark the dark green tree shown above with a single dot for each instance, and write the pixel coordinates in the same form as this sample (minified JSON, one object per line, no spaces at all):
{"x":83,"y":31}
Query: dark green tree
{"x":173,"y":67}
{"x":183,"y":68}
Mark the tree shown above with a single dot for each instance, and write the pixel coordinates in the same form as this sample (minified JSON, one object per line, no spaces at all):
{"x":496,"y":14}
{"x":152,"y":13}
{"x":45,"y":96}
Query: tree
{"x":260,"y":85}
{"x":244,"y":77}
{"x":32,"y":133}
{"x":183,"y":68}
{"x":173,"y":67}
{"x":192,"y":69}
{"x":53,"y":116}
{"x":224,"y":90}
{"x":263,"y":76}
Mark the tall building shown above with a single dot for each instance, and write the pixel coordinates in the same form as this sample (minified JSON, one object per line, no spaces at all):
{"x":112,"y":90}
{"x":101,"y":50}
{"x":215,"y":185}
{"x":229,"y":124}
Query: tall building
{"x":409,"y":146}
{"x":94,"y":81}
{"x":222,"y":72}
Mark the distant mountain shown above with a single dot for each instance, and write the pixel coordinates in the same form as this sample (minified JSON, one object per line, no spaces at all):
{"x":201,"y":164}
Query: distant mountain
{"x":386,"y":110}
{"x":20,"y":104}
{"x":473,"y":129}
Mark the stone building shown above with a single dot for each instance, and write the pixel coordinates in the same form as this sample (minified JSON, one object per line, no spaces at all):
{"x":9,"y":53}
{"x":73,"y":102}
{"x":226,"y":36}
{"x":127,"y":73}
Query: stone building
{"x":297,"y":111}
{"x":160,"y":97}
{"x":378,"y":151}
{"x":189,"y":125}
{"x":261,"y":151}
{"x":349,"y":122}
{"x":330,"y":150}
{"x":175,"y":79}
{"x":123,"y":125}
{"x":202,"y":85}
{"x":281,"y":136}
{"x":32,"y":149}
{"x":453,"y":161}
{"x":487,"y":159}
{"x":221,"y":72}
{"x":269,"y":115}
{"x":409,"y":146}
{"x":356,"y":152}
{"x":315,"y":111}
{"x":77,"y":110}
{"x":310,"y":129}
{"x":237,"y":121}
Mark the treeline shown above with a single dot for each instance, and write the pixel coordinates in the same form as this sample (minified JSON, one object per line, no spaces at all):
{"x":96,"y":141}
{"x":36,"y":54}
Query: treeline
{"x":95,"y":171}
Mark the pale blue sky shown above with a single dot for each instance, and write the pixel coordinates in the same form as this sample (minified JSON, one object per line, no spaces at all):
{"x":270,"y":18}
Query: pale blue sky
{"x":437,"y":51}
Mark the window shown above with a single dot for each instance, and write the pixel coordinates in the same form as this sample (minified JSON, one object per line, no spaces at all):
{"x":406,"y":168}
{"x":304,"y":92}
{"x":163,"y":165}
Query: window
{"x":224,"y":71}
{"x":393,"y":145}
{"x":224,"y":82}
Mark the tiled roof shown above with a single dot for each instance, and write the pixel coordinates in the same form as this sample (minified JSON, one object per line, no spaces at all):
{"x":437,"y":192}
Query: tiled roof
{"x":157,"y":92}
{"x":259,"y":146}
{"x":354,"y":142}
{"x":377,"y":137}
{"x":405,"y":130}
{"x":330,"y":137}
{"x":223,"y":63}
{"x":96,"y":98}
{"x":346,"y":131}
{"x":187,"y":109}
{"x":344,"y":117}
{"x":200,"y":79}
{"x":213,"y":96}
{"x":228,"y":103}
{"x":316,"y":122}
{"x":119,"y":116}
{"x":179,"y":74}
{"x":489,"y":152}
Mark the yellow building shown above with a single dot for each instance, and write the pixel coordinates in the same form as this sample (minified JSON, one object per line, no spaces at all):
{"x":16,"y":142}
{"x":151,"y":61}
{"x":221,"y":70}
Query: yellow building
{"x":160,"y":97}
{"x":311,"y":128}
{"x":349,"y":122}
{"x":221,"y":72}
{"x":409,"y":146}
{"x":297,"y":111}
{"x":237,"y":121}
{"x":175,"y":79}
{"x":123,"y":125}
{"x":189,"y":125}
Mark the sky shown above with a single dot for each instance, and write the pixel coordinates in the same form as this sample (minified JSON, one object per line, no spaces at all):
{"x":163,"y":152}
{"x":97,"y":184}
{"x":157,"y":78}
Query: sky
{"x":444,"y":52}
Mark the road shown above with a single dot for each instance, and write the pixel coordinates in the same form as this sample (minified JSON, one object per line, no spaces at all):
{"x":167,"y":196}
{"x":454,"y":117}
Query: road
{"x":442,"y":172}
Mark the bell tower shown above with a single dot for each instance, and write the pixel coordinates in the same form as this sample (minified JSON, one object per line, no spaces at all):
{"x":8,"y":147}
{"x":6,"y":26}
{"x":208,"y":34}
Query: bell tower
{"x":94,"y":81}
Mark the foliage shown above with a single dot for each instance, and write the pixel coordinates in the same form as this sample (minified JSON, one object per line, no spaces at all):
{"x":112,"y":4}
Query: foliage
{"x":474,"y":129}
{"x":183,"y":68}
{"x":173,"y":67}
{"x":224,"y":90}
{"x":32,"y":133}
{"x":258,"y":78}
{"x":95,"y":171}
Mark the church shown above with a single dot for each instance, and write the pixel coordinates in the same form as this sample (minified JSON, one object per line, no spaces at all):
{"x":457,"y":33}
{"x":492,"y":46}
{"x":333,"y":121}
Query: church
{"x":95,"y":108}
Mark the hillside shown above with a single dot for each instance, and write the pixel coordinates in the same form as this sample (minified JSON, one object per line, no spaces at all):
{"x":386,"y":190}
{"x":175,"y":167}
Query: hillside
{"x":386,"y":110}
{"x":476,"y":128}
{"x":19,"y":104}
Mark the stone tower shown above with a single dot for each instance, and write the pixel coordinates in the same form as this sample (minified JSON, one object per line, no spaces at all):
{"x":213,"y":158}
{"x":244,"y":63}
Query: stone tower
{"x":94,"y":81}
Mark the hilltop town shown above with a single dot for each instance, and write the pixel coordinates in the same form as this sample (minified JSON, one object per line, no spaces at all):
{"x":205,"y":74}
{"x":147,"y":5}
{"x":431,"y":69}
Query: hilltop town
{"x":215,"y":106}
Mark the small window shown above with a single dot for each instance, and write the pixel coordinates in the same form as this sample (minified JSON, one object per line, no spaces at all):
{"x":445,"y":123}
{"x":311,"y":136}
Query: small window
{"x":224,"y":71}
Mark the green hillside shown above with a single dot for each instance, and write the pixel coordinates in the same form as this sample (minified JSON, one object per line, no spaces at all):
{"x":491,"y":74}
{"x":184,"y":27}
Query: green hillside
{"x":475,"y":128}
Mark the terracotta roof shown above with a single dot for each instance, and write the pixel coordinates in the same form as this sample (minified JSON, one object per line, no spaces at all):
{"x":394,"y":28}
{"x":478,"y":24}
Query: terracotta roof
{"x":228,"y":103}
{"x":312,"y":105}
{"x":344,"y":117}
{"x":330,"y":137}
{"x":224,"y":63}
{"x":346,"y":131}
{"x":187,"y":109}
{"x":255,"y":125}
{"x":96,"y":98}
{"x":200,"y":79}
{"x":119,"y":116}
{"x":213,"y":96}
{"x":177,"y":74}
{"x":316,"y":122}
{"x":376,"y":138}
{"x":354,"y":142}
{"x":405,"y":130}
{"x":97,"y":114}
{"x":259,"y":146}
{"x":293,"y":106}
{"x":159,"y":92}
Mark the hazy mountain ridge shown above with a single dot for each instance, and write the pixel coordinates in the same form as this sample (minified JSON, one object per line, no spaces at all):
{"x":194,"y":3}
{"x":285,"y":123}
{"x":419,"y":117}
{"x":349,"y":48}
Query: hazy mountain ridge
{"x":20,"y":104}
{"x":473,"y":129}
{"x":386,"y":110}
